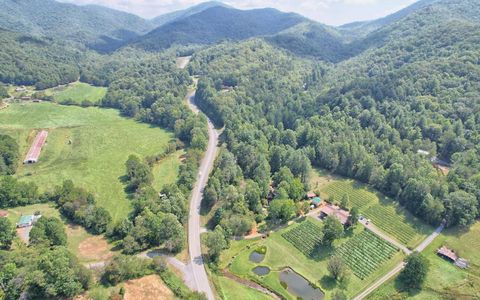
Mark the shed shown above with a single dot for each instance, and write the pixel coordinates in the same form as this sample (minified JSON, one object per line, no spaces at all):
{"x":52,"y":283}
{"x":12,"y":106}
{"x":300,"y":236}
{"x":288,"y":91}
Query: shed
{"x":25,"y":221}
{"x":311,"y":195}
{"x":3,"y":213}
{"x":316,"y":201}
{"x":447,"y":254}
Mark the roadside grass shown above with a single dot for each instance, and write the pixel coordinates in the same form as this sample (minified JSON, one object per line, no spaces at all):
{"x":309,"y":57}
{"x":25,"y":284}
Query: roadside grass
{"x":385,"y":213}
{"x":444,"y":280}
{"x":77,"y":92}
{"x":228,"y":289}
{"x":281,"y":253}
{"x":87,"y":145}
{"x":166,"y":171}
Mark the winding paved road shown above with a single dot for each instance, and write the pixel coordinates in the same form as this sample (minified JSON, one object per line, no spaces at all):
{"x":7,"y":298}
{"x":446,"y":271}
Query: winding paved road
{"x":194,"y":244}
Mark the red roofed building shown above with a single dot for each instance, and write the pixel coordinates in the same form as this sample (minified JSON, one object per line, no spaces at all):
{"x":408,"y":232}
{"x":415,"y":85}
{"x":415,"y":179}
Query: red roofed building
{"x":331,"y":210}
{"x":311,"y":195}
{"x":36,"y":148}
{"x":447,"y":254}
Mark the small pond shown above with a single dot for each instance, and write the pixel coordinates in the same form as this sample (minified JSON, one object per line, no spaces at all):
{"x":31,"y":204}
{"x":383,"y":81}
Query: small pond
{"x":261,"y":271}
{"x":299,"y":286}
{"x":256,"y":257}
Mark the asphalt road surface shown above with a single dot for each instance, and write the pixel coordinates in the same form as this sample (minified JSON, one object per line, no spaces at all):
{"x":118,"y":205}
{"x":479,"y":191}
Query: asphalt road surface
{"x":200,"y":277}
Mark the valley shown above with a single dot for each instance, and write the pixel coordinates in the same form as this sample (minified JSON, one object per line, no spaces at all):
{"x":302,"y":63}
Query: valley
{"x":224,"y":152}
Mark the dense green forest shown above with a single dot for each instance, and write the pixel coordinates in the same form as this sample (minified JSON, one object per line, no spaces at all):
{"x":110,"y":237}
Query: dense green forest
{"x":365,"y":101}
{"x":365,"y":118}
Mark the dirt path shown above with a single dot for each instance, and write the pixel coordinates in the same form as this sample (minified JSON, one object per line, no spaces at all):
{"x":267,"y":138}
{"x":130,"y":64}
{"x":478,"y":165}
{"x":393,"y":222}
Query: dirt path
{"x":398,"y":268}
{"x":370,"y":226}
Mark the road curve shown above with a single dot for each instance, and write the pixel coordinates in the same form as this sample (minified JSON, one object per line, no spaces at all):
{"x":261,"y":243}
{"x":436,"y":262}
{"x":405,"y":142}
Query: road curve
{"x":194,"y":244}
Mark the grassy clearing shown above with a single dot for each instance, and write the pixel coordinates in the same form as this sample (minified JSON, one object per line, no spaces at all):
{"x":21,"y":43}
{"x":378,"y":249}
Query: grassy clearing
{"x":81,"y":243}
{"x":87,"y":145}
{"x":444,"y":280}
{"x":231,"y":290}
{"x":365,"y":253}
{"x":281,"y":253}
{"x":386,"y":214}
{"x":166,"y":171}
{"x":77,"y":93}
{"x":45,"y":209}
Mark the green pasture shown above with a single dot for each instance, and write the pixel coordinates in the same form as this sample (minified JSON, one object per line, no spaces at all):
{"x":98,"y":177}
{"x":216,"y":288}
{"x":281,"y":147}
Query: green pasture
{"x":77,"y":92}
{"x":87,"y":145}
{"x":282,"y":253}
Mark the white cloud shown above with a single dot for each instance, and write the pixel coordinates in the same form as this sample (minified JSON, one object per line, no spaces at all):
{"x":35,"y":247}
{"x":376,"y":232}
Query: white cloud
{"x":333,"y":12}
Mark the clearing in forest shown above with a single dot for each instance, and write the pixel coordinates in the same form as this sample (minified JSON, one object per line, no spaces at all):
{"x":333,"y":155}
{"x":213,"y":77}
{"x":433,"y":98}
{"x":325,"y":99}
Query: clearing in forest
{"x":87,"y":145}
{"x":77,"y":93}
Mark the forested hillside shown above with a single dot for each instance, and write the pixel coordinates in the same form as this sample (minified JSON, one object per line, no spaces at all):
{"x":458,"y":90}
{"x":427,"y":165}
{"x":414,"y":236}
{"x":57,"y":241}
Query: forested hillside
{"x":43,"y":62}
{"x":177,"y":15}
{"x":218,"y":23}
{"x":99,"y":27}
{"x":365,"y":118}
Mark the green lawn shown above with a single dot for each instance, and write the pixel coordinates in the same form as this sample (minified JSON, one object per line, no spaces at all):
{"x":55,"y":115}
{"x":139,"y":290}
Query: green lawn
{"x":166,"y":171}
{"x":78,"y":92}
{"x":87,"y":145}
{"x":231,"y":290}
{"x":281,"y":254}
{"x":386,"y":214}
{"x":444,"y":280}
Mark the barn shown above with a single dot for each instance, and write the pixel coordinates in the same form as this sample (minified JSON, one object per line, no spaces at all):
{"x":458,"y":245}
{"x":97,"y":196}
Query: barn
{"x":37,"y":145}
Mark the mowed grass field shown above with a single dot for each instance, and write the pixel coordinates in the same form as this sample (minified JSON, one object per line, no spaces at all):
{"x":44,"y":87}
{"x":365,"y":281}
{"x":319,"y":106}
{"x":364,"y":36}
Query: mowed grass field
{"x":282,"y":253}
{"x":87,"y":145}
{"x":444,"y":280}
{"x":77,"y":92}
{"x":385,"y":213}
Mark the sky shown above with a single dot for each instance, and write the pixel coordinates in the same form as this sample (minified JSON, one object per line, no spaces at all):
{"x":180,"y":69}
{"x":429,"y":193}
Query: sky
{"x":331,"y":12}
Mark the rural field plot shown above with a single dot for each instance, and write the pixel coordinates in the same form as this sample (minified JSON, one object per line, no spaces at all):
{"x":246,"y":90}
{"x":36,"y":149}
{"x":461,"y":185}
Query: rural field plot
{"x":77,"y":93}
{"x":306,"y":237}
{"x":391,"y":222}
{"x":365,"y":253}
{"x":386,"y":214}
{"x":359,"y":197}
{"x":87,"y":145}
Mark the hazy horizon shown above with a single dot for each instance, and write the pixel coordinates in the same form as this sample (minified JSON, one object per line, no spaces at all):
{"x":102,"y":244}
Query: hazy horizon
{"x":331,"y":12}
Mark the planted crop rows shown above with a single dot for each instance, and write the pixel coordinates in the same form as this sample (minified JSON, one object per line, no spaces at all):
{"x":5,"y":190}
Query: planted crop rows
{"x":306,"y":237}
{"x":358,"y":197}
{"x":364,"y":253}
{"x":389,"y":221}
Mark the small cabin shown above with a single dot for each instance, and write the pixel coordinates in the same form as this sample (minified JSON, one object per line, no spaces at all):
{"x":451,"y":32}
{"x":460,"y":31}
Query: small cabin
{"x":28,"y":220}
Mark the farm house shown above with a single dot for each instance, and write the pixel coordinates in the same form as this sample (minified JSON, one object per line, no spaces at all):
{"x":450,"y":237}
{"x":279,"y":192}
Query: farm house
{"x":37,"y":145}
{"x":331,"y":210}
